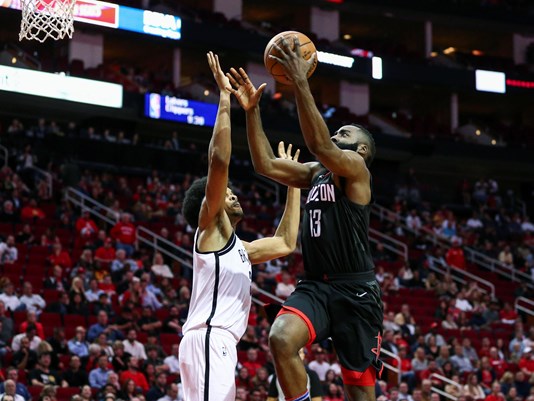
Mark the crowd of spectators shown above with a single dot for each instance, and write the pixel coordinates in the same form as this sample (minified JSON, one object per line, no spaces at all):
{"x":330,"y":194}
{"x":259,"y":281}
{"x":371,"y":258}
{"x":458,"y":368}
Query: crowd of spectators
{"x":486,"y":218}
{"x":133,"y":301}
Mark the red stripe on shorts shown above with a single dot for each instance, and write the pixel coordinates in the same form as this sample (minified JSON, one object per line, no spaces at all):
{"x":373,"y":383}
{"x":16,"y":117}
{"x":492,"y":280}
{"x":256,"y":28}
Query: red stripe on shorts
{"x":295,"y":311}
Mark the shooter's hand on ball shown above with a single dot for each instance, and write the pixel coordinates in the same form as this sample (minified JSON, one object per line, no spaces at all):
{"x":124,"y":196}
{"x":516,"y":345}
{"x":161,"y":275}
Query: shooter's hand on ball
{"x":295,"y":65}
{"x":246,"y":93}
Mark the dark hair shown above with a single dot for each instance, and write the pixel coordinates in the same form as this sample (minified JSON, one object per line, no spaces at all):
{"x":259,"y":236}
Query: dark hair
{"x":371,"y":143}
{"x":193,"y":201}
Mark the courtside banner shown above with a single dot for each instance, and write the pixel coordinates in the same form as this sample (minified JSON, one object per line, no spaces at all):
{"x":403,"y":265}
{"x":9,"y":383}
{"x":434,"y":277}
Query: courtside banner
{"x":60,"y":86}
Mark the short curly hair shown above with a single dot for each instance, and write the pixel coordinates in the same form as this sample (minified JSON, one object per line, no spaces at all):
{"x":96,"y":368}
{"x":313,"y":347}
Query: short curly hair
{"x":193,"y":201}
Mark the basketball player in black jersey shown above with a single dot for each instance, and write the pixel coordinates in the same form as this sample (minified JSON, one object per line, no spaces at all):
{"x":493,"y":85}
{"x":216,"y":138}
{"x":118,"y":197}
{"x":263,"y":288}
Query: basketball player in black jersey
{"x":340,"y":297}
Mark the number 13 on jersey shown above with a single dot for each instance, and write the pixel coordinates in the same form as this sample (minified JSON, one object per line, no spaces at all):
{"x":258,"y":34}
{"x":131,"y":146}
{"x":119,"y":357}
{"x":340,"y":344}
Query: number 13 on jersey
{"x":315,"y":222}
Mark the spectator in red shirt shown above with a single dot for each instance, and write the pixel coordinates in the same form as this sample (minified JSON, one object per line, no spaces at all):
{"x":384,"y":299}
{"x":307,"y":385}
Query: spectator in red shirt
{"x":455,"y":255}
{"x":508,"y":315}
{"x":86,"y":226}
{"x":408,"y":375}
{"x":124,"y":234}
{"x":134,"y":374}
{"x":498,"y":364}
{"x":526,"y":363}
{"x":60,"y":257}
{"x":31,"y":318}
{"x":495,"y":394}
{"x":252,"y":363}
{"x":32,"y":212}
{"x":106,"y":253}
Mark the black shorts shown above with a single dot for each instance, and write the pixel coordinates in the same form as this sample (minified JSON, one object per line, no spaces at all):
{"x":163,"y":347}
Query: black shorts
{"x":346,"y":309}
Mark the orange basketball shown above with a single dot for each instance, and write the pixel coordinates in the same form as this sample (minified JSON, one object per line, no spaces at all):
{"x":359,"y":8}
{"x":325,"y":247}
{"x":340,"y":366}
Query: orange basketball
{"x":307,"y":49}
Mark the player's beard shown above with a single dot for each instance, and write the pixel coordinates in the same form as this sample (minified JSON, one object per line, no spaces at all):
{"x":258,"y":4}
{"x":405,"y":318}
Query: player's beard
{"x":348,"y":146}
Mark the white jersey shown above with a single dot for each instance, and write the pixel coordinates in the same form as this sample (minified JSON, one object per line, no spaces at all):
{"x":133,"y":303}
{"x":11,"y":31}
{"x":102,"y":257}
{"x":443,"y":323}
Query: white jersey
{"x":221,"y":289}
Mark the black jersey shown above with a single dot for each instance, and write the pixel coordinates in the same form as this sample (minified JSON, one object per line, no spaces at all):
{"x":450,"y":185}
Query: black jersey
{"x":334,"y":231}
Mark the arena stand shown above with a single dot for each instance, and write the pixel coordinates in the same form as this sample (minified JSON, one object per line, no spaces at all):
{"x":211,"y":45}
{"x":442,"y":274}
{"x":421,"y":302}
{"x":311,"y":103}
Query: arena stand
{"x":50,"y":233}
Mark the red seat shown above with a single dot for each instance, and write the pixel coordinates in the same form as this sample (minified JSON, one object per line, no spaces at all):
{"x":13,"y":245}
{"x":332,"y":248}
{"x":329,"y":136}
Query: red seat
{"x":65,"y":393}
{"x":35,"y":391}
{"x":75,"y":320}
{"x":51,"y":319}
{"x":35,"y":281}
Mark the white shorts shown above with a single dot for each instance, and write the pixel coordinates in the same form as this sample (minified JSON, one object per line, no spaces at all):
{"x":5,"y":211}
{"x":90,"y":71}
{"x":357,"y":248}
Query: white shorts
{"x":216,"y":351}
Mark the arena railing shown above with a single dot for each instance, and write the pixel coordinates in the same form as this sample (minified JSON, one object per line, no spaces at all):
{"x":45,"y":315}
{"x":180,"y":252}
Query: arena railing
{"x":268,"y":185}
{"x":4,"y":154}
{"x":144,"y":235}
{"x":164,"y":246}
{"x":272,"y":297}
{"x":528,"y":309}
{"x":395,"y":369}
{"x":47,"y":177}
{"x":391,"y":244}
{"x":460,"y":275}
{"x":472,"y":255}
{"x":94,"y":207}
{"x":446,"y":380}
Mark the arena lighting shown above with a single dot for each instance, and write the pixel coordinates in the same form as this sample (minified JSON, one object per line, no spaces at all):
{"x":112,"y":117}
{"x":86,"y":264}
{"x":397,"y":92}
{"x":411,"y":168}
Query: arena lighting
{"x":335,"y":59}
{"x":376,"y":67}
{"x":60,"y":86}
{"x":112,"y":15}
{"x":520,"y":83}
{"x":362,"y":53}
{"x":186,"y":111}
{"x":449,"y":50}
{"x":490,"y":81}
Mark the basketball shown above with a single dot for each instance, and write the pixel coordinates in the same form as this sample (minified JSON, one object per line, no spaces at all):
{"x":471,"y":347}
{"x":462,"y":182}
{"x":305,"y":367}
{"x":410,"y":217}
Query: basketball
{"x":274,"y":68}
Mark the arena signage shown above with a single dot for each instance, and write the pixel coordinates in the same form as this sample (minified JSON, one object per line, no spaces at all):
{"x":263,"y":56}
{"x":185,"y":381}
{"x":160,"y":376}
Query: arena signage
{"x":112,"y":15}
{"x":171,"y":108}
{"x":97,"y":13}
{"x":60,"y":86}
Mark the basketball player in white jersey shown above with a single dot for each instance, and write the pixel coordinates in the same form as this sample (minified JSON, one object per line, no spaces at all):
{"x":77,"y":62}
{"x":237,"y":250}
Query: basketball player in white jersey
{"x":220,"y":300}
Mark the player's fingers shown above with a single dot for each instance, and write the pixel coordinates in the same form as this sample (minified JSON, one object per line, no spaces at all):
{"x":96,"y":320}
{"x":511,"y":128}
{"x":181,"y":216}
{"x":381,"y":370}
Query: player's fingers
{"x":281,"y":61}
{"x":244,"y":75}
{"x":296,"y":43}
{"x":297,"y":154}
{"x":235,"y":76}
{"x":233,"y":82}
{"x":312,"y":59}
{"x":288,"y":151}
{"x":285,"y":45}
{"x":261,"y":88}
{"x":281,"y":150}
{"x":280,"y":50}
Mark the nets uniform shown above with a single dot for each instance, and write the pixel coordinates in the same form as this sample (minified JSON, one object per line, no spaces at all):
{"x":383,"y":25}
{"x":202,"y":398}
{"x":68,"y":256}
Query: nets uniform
{"x":340,"y":297}
{"x":217,"y":319}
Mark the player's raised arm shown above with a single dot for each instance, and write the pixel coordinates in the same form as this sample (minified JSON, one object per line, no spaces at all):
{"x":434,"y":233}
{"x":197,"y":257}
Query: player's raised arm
{"x":285,"y":171}
{"x":284,"y":240}
{"x":314,"y":129}
{"x":219,"y":151}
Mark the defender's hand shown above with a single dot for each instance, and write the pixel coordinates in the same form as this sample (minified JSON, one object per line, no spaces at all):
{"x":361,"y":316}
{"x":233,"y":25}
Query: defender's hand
{"x":247,"y":95}
{"x":286,"y":154}
{"x":222,"y":81}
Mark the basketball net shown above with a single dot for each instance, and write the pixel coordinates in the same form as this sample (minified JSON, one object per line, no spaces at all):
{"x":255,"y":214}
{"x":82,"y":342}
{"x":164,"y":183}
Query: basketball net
{"x":43,"y":19}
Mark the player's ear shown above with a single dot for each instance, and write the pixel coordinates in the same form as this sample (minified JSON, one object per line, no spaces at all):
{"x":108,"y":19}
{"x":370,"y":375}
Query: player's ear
{"x":363,"y":148}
